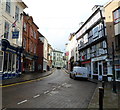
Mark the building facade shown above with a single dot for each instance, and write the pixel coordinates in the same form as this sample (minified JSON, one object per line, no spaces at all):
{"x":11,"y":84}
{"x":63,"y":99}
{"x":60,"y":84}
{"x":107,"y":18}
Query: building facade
{"x":57,"y":60}
{"x":92,"y":41}
{"x":45,"y":54}
{"x":49,"y":57}
{"x":11,"y":23}
{"x":72,"y":51}
{"x":112,"y":14}
{"x":40,"y":54}
{"x":30,"y":41}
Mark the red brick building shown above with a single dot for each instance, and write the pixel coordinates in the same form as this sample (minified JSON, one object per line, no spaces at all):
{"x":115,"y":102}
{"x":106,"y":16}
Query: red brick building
{"x":40,"y":53}
{"x":30,"y":41}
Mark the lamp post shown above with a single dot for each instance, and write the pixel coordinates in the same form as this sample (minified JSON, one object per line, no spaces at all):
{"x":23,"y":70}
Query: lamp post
{"x":113,"y":68}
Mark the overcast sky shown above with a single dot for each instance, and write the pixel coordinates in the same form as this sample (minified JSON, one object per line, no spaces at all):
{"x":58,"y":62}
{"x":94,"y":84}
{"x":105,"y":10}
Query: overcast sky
{"x":56,"y":19}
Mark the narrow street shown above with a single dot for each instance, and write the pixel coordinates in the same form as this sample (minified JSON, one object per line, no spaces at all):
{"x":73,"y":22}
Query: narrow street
{"x":54,"y":91}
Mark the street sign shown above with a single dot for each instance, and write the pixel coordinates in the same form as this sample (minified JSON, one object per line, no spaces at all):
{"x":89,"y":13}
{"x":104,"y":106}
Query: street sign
{"x":15,"y":34}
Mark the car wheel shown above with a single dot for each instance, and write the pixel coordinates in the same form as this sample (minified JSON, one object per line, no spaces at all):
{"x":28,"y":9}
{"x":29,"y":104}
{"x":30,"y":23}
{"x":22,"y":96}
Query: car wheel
{"x":74,"y":77}
{"x":70,"y":76}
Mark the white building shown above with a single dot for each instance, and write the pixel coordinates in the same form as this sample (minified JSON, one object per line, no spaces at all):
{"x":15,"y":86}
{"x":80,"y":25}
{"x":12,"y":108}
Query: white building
{"x":45,"y":53}
{"x":92,"y":40}
{"x":11,"y":22}
{"x":72,"y":51}
{"x":57,"y":60}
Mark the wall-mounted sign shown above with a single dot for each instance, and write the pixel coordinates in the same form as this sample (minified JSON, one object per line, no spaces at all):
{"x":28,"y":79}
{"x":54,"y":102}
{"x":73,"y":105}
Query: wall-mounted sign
{"x":15,"y":34}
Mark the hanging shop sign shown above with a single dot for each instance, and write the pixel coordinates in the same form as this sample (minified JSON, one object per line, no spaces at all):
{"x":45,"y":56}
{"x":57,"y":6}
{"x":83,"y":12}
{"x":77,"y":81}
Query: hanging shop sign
{"x":15,"y":34}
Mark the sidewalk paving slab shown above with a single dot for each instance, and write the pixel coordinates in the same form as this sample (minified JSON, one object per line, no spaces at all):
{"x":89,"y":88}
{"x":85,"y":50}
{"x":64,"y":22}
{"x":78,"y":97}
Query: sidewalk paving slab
{"x":111,"y":100}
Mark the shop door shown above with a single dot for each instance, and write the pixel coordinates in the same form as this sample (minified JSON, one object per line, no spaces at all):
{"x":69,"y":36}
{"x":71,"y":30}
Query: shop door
{"x":100,"y":70}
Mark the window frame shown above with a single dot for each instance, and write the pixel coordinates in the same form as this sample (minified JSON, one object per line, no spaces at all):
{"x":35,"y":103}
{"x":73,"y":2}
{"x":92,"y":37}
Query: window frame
{"x":6,"y":29}
{"x":8,"y":6}
{"x":17,"y":11}
{"x":117,"y":11}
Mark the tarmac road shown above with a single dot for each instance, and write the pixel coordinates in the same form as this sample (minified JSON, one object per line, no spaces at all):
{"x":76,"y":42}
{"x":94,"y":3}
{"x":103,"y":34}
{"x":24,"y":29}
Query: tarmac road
{"x":54,"y":91}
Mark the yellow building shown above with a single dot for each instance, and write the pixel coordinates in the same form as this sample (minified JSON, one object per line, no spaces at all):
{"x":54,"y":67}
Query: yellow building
{"x":112,"y":17}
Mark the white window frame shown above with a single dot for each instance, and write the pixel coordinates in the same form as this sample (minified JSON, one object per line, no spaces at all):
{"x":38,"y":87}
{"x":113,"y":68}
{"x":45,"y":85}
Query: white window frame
{"x":6,"y":29}
{"x":17,"y":10}
{"x":8,"y":6}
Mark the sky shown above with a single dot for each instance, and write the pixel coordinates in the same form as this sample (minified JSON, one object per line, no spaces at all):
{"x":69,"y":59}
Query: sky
{"x":56,"y":19}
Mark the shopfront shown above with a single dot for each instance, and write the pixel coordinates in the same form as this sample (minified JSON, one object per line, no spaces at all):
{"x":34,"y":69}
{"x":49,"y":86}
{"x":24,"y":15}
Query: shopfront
{"x":10,"y":60}
{"x":29,"y":62}
{"x":99,"y":68}
{"x":88,"y":65}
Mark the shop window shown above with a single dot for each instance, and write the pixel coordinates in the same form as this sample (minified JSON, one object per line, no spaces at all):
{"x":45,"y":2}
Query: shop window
{"x":5,"y":67}
{"x":13,"y":62}
{"x":117,"y":42}
{"x":1,"y":61}
{"x":105,"y":68}
{"x":9,"y":62}
{"x":95,"y":67}
{"x":118,"y":75}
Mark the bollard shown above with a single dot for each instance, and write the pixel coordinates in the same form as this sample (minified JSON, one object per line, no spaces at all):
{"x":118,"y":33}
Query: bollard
{"x":103,"y":85}
{"x":100,"y":98}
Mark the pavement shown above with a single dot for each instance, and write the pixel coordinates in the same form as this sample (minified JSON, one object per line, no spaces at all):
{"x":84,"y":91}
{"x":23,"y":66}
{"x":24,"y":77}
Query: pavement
{"x":26,"y":77}
{"x":111,"y":99}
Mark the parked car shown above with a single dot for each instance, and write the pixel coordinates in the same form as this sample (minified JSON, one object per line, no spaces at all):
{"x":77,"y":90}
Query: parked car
{"x":79,"y":72}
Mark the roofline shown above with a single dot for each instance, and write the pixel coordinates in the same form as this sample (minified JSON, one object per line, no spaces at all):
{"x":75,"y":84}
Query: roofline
{"x":87,"y":20}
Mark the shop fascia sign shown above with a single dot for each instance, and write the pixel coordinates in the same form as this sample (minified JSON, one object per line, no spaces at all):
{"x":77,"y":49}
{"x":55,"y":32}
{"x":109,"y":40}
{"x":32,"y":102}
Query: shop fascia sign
{"x":99,"y":58}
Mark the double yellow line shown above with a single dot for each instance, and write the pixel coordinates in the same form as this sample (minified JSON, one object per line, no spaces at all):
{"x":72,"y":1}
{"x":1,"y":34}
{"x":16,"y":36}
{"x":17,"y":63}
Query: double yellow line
{"x":26,"y":81}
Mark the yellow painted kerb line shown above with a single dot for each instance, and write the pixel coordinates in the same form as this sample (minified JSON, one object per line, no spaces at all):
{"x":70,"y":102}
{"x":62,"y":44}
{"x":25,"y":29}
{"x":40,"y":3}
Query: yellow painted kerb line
{"x":26,"y":81}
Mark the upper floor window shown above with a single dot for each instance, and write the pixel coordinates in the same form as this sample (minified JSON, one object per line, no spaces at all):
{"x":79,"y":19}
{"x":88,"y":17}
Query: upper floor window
{"x":8,"y":6}
{"x":24,"y":43}
{"x":116,"y":15}
{"x":95,"y":32}
{"x":6,"y":32}
{"x":34,"y":48}
{"x":31,"y":31}
{"x":34,"y":34}
{"x":24,"y":27}
{"x":17,"y":13}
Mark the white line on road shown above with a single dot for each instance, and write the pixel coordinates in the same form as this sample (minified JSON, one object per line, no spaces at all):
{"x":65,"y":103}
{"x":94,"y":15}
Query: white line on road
{"x":46,"y":92}
{"x":22,"y":102}
{"x":36,"y":96}
{"x":64,"y":84}
{"x":53,"y":89}
{"x":59,"y":86}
